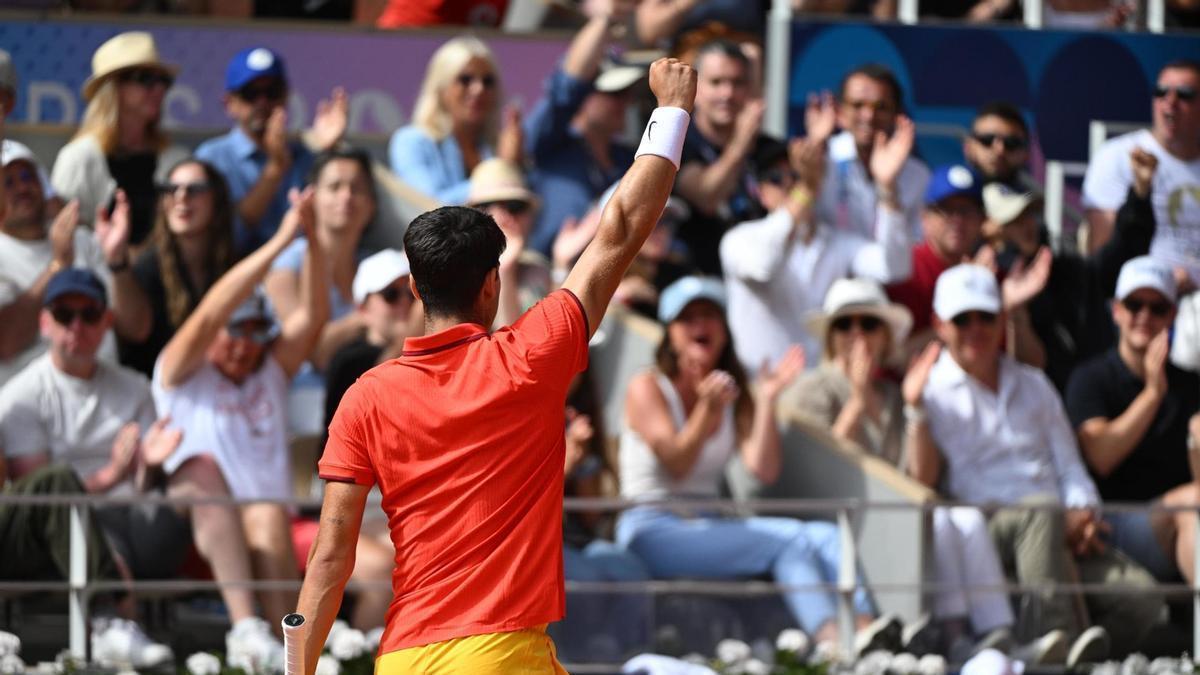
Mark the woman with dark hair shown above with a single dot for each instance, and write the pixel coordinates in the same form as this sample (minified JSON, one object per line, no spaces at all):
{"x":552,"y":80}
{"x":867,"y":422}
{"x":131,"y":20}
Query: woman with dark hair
{"x":344,"y":205}
{"x":191,"y":246}
{"x":685,"y":420}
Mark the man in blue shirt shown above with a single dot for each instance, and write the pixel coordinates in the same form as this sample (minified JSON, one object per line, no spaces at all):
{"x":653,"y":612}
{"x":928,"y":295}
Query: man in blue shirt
{"x":570,"y":132}
{"x":259,"y":161}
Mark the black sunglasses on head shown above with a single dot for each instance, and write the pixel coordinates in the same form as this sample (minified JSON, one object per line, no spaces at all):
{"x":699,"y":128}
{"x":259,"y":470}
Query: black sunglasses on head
{"x":1010,"y":142}
{"x":1182,"y":93}
{"x":273,"y":91}
{"x":1156,"y":308}
{"x":147,"y":77}
{"x":865,"y":322}
{"x":966,"y":318}
{"x":65,"y":316}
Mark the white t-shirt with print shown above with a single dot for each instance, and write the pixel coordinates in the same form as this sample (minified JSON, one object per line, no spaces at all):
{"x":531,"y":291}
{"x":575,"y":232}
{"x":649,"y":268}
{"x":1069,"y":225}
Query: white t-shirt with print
{"x":1175,"y":195}
{"x":243,"y":427}
{"x":43,"y":409}
{"x":22,"y":262}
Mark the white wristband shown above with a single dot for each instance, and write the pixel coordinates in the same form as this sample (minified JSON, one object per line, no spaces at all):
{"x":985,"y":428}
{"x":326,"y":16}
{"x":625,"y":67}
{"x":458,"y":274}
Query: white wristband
{"x":664,"y":134}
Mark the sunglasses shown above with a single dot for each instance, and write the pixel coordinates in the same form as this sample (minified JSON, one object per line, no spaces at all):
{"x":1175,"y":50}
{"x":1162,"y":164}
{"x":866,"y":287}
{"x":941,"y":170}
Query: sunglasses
{"x":274,"y":91}
{"x":865,"y":323}
{"x":967,"y":318}
{"x":189,"y":189}
{"x":515,"y":207}
{"x":392,"y":294}
{"x":960,"y":211}
{"x":65,"y":316}
{"x":1009,"y":142}
{"x":251,"y":330}
{"x":1181,"y":93}
{"x":1157,"y":308}
{"x":148,"y":78}
{"x":464,"y":80}
{"x":778,"y":177}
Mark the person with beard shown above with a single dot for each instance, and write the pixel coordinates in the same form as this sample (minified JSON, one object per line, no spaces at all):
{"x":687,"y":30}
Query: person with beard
{"x":998,"y":146}
{"x":260,"y":163}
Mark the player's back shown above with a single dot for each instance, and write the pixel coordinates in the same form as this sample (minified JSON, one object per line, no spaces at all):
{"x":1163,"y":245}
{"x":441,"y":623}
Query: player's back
{"x":464,"y":435}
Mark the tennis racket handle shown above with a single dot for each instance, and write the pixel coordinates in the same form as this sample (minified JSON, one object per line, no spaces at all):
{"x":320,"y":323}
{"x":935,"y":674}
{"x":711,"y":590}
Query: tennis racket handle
{"x":294,"y":631}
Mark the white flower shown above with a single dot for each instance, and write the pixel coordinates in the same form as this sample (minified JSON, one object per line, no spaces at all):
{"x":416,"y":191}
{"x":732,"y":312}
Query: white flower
{"x":932,"y":664}
{"x":374,"y":637}
{"x":328,"y":665}
{"x":9,"y":644}
{"x":695,"y":658}
{"x":203,"y":663}
{"x":826,"y":652}
{"x":348,"y":644}
{"x":755,"y":667}
{"x":1135,"y":664}
{"x":11,"y":663}
{"x":903,"y":664}
{"x":875,"y":663}
{"x":336,"y":629}
{"x":731,"y":652}
{"x":792,"y":640}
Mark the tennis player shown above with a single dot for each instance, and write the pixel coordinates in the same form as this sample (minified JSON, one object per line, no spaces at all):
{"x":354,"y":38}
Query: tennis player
{"x":464,"y":433}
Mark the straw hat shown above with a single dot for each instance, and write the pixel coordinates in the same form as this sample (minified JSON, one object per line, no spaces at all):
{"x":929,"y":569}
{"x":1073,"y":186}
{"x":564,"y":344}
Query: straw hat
{"x":497,"y":180}
{"x":122,"y":52}
{"x":860,"y":297}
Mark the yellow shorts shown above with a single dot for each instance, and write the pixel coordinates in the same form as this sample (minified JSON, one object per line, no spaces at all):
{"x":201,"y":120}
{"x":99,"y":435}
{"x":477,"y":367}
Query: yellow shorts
{"x":518,"y":652}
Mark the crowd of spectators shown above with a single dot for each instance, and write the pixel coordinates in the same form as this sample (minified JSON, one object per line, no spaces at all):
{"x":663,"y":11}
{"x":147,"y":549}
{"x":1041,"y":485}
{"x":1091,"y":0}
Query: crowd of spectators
{"x":158,"y":304}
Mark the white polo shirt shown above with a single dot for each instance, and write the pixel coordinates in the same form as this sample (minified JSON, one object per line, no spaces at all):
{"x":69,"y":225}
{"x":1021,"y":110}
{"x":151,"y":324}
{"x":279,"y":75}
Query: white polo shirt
{"x":847,"y":200}
{"x":1002,"y":446}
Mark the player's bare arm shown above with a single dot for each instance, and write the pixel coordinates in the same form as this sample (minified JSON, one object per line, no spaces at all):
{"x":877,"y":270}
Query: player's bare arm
{"x":638,"y":201}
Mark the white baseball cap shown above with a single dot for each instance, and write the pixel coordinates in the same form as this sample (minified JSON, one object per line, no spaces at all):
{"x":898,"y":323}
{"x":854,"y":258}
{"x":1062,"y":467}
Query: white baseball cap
{"x":965,"y":288}
{"x":1146,"y":272}
{"x":1002,"y":204}
{"x":378,"y":272}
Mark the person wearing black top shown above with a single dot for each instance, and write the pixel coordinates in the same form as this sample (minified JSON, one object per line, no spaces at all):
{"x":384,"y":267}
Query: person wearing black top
{"x":1070,"y":315}
{"x":1133,"y":412}
{"x":391,"y":314}
{"x":190,"y":248}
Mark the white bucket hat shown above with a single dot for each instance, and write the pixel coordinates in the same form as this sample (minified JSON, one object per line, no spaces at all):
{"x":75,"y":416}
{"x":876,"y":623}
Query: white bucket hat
{"x":858,"y":297}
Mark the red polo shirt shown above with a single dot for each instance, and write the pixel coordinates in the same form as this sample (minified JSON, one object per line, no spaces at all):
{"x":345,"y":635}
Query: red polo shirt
{"x":464,"y":434}
{"x":916,"y":292}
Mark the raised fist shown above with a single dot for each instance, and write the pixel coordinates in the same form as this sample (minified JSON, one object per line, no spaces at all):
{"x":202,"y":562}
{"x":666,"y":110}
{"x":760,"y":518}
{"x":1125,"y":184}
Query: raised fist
{"x":673,"y":83}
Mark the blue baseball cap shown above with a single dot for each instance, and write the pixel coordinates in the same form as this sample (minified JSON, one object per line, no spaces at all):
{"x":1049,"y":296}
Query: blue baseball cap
{"x":949,"y":180}
{"x":687,"y":290}
{"x":75,"y":281}
{"x":252,"y":63}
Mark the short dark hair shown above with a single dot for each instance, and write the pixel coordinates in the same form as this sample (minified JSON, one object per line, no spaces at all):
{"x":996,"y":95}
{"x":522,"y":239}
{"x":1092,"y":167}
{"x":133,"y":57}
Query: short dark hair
{"x":879,"y":73}
{"x":1005,"y":111}
{"x":356,"y":155}
{"x":767,"y":154}
{"x":1182,"y":64}
{"x":451,"y":250}
{"x":724,"y":48}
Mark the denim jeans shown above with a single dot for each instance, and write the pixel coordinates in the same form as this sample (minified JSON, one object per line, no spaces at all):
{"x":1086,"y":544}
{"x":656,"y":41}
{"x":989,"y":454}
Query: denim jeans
{"x":794,"y":552}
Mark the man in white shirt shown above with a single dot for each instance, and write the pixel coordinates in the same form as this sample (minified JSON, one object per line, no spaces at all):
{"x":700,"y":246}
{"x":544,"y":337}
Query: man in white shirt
{"x":868,"y":108}
{"x":778,"y":268}
{"x":32,"y":250}
{"x":991,"y":431}
{"x":1174,"y":139}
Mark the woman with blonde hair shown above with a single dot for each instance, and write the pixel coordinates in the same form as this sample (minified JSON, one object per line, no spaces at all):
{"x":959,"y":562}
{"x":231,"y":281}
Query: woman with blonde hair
{"x":455,"y":122}
{"x":120,"y":142}
{"x":190,"y":247}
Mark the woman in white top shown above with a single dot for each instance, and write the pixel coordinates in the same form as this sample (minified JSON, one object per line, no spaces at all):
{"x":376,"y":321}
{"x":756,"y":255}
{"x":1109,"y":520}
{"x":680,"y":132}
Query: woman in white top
{"x":685,"y":419}
{"x":850,"y":394}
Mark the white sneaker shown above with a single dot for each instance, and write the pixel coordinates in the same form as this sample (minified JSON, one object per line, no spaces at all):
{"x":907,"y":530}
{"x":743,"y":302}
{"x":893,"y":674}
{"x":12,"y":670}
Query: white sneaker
{"x":251,"y":646}
{"x":119,"y":642}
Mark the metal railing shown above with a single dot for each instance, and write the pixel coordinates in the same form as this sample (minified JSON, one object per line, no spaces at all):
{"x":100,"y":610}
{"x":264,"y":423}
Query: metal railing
{"x":80,"y":588}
